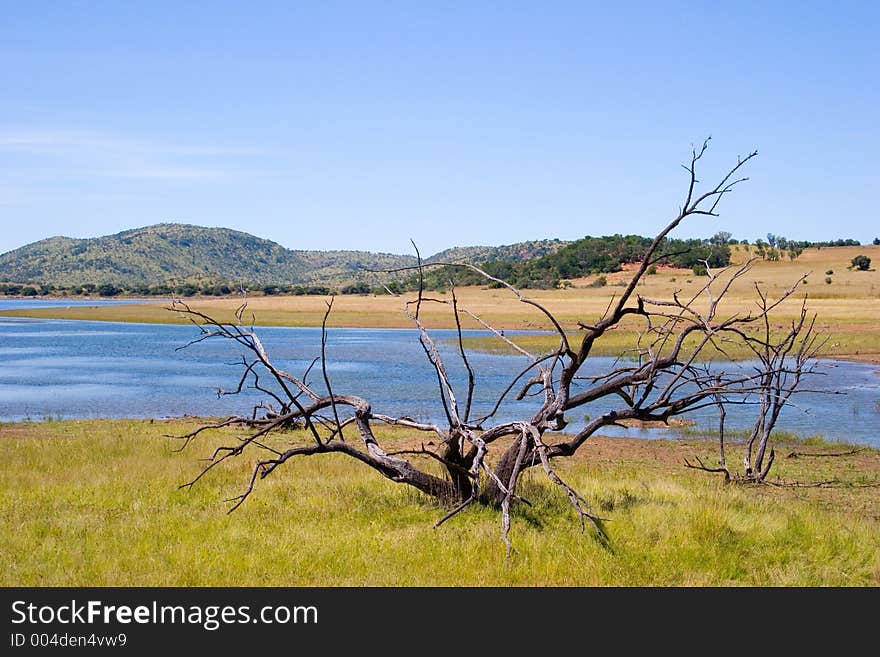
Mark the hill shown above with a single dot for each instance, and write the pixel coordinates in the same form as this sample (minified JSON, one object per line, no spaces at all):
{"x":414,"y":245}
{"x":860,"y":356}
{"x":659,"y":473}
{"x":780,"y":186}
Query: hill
{"x":519,"y":252}
{"x":172,"y":255}
{"x":561,"y":261}
{"x":159,"y":254}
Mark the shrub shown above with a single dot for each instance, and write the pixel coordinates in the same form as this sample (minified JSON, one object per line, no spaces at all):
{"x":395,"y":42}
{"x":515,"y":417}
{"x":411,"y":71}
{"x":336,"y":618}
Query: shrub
{"x":828,"y":280}
{"x":861,"y":262}
{"x":186,"y":290}
{"x":356,"y":288}
{"x":829,"y":272}
{"x":599,"y":282}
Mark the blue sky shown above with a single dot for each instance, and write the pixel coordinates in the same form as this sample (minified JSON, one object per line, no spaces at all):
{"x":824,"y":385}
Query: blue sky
{"x":362,"y":125}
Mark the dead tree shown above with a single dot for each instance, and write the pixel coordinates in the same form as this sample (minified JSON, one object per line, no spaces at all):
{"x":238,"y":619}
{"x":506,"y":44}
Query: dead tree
{"x":481,"y":460}
{"x":782,"y":360}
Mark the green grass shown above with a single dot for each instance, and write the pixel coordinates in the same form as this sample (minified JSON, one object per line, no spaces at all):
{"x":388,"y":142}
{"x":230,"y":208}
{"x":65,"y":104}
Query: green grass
{"x":96,"y":503}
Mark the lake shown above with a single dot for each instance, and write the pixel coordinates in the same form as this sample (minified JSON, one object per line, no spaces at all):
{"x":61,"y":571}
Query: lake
{"x":62,"y":369}
{"x":56,"y":302}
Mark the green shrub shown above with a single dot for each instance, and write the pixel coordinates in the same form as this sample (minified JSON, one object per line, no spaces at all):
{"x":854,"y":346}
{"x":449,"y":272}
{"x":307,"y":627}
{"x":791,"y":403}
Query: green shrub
{"x":861,"y":262}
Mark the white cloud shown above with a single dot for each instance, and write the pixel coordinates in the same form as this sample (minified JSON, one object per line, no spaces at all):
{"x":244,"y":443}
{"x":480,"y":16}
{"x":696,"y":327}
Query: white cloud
{"x":48,"y":141}
{"x":84,"y":153}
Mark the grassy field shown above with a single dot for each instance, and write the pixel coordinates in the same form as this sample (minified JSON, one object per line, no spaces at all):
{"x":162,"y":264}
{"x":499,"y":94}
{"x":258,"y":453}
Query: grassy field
{"x":96,"y":503}
{"x":847,"y":308}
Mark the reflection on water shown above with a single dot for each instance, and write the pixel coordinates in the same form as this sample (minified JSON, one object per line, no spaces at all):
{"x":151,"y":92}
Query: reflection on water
{"x":76,"y":369}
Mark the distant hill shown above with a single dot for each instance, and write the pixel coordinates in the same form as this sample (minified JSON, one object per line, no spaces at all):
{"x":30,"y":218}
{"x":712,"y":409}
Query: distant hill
{"x":173,"y":254}
{"x":567,"y":260}
{"x":519,"y":252}
{"x":159,"y":254}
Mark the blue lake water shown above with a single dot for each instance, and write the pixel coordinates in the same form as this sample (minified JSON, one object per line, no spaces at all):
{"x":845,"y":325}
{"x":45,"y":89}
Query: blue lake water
{"x":56,"y":302}
{"x":79,"y":369}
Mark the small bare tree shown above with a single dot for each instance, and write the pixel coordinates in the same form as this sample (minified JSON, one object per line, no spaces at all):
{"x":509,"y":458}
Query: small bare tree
{"x":662,"y":377}
{"x":782,"y":359}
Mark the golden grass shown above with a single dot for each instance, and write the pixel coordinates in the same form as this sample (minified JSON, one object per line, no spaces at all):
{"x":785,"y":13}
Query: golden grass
{"x":95,"y":503}
{"x":847,"y":309}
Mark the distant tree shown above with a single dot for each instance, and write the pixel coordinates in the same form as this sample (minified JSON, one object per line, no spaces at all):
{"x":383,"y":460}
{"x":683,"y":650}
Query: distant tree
{"x":300,"y":290}
{"x":356,"y":288}
{"x":861,"y":262}
{"x":876,"y":241}
{"x":186,"y":290}
{"x":760,"y":248}
{"x":771,"y":239}
{"x":720,"y":238}
{"x":773,"y":254}
{"x":217,"y":290}
{"x":29,"y":292}
{"x":108,"y":290}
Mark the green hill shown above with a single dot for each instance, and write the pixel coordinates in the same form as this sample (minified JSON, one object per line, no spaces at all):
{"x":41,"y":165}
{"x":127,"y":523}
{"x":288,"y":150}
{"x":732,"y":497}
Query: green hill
{"x":160,"y":254}
{"x":566,"y":260}
{"x":166,"y":254}
{"x":177,"y":254}
{"x":519,"y":252}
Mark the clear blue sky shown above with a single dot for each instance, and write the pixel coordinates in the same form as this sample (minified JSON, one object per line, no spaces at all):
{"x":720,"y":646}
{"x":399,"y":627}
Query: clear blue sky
{"x":362,"y":125}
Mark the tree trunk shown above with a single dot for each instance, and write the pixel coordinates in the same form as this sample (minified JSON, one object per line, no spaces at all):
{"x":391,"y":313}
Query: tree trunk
{"x":457,"y":467}
{"x":492,"y":493}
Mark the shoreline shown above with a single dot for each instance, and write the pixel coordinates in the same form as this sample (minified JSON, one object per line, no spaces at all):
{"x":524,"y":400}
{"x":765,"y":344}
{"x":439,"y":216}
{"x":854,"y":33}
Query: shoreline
{"x":687,"y":437}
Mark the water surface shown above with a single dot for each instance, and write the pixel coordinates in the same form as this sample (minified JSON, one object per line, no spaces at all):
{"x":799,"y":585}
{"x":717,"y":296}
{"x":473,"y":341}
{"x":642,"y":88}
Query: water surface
{"x":82,"y":369}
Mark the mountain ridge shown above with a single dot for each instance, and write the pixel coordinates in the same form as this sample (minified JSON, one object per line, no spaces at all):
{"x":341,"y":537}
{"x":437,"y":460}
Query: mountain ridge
{"x":175,"y":253}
